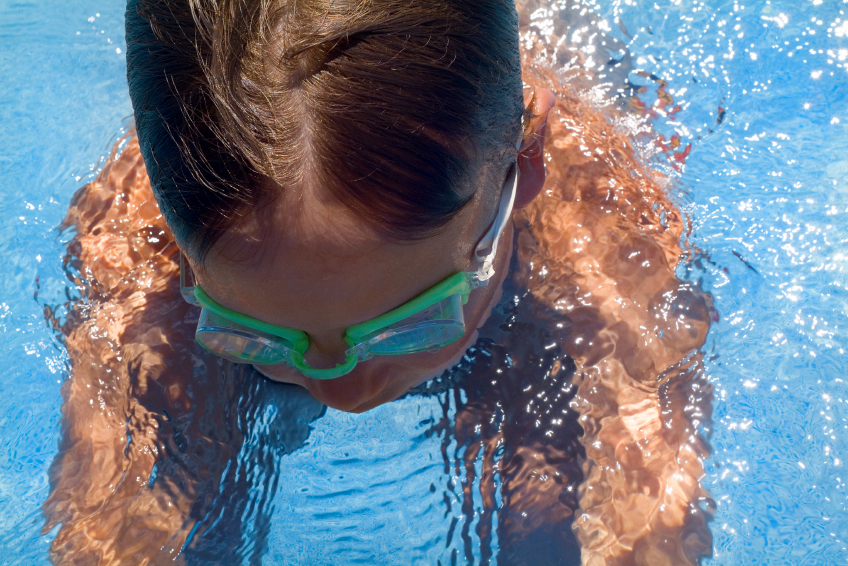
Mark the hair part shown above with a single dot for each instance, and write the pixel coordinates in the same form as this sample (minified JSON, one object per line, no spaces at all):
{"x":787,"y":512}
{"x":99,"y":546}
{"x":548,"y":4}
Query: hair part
{"x":396,"y":109}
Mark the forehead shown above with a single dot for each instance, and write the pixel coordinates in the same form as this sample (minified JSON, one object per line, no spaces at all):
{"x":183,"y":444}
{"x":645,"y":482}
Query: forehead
{"x":313,"y":265}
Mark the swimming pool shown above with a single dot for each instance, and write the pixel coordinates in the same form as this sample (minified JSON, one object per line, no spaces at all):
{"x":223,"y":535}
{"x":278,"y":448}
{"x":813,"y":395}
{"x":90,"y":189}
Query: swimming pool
{"x":764,"y":186}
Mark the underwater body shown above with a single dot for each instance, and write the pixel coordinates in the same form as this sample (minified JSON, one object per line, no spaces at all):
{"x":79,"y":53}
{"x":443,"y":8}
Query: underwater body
{"x":740,"y":106}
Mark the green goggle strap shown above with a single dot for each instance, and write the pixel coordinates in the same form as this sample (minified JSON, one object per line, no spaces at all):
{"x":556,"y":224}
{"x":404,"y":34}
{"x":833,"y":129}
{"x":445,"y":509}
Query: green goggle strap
{"x":329,"y":373}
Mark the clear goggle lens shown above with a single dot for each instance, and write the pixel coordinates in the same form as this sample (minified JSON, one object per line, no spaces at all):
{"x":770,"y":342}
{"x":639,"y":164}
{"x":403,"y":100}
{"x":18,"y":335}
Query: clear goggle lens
{"x":430,"y":329}
{"x":239,"y":343}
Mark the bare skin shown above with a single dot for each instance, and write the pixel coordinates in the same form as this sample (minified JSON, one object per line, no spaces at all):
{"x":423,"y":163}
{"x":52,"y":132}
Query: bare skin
{"x":333,"y":274}
{"x":99,"y":508}
{"x":602,"y":253}
{"x":592,"y":247}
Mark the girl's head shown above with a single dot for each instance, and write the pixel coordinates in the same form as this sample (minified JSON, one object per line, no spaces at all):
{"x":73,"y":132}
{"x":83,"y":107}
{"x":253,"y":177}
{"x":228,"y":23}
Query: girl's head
{"x":398,"y":110}
{"x":322,"y":161}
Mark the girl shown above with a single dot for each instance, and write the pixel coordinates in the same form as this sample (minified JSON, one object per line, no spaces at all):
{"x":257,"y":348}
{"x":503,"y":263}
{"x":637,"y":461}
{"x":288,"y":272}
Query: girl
{"x":350,"y":197}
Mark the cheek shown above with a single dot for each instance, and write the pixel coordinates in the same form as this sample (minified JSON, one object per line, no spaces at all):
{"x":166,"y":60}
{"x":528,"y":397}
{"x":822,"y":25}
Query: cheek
{"x":281,"y":373}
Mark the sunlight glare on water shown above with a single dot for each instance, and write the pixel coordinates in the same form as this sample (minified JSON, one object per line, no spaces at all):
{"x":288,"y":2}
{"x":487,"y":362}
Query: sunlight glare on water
{"x":62,"y":101}
{"x":744,"y":104}
{"x":762,"y":89}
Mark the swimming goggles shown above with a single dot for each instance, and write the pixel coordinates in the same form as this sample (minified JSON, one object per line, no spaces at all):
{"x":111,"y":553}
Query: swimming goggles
{"x":427,"y":323}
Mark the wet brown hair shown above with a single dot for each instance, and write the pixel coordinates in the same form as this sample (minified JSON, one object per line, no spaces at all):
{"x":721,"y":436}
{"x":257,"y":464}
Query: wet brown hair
{"x":393,"y":108}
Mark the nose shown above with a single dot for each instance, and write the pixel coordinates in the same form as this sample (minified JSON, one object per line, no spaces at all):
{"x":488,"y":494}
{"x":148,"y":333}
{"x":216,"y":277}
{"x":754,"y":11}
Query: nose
{"x":325,"y":352}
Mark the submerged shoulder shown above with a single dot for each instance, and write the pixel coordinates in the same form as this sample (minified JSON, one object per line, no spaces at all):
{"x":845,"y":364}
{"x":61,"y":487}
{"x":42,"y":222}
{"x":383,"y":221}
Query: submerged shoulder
{"x":117,"y":222}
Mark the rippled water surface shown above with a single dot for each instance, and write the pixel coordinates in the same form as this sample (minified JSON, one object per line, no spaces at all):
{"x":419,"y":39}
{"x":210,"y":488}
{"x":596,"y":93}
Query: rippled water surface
{"x":766,"y":190}
{"x":750,"y":101}
{"x":62,"y":94}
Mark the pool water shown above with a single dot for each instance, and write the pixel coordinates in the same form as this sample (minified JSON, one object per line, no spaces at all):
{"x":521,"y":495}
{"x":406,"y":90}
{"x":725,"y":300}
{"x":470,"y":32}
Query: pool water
{"x":762,"y":89}
{"x":766,"y":191}
{"x":62,"y":99}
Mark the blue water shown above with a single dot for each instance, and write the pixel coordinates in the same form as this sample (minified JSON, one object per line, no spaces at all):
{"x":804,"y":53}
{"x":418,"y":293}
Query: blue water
{"x":770,"y":183}
{"x":62,"y":99}
{"x":762,"y":88}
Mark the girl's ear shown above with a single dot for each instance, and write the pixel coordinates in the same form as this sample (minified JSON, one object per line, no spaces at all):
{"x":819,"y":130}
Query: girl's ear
{"x":531,"y":156}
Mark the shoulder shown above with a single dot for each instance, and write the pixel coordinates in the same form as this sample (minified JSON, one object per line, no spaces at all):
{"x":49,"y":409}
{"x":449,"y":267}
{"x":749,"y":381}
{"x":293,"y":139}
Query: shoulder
{"x":117,"y":222}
